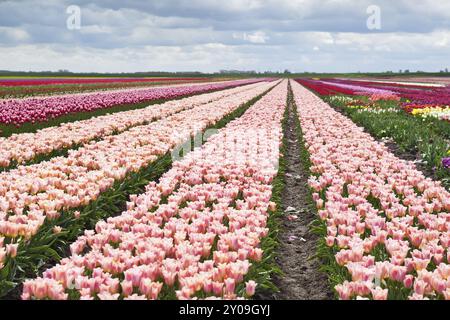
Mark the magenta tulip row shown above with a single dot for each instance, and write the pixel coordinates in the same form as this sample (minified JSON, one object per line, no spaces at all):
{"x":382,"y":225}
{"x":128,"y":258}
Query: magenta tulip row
{"x":194,"y":234}
{"x":26,"y":146}
{"x":60,"y":81}
{"x":19,"y":111}
{"x":360,"y":90}
{"x":388,"y":224}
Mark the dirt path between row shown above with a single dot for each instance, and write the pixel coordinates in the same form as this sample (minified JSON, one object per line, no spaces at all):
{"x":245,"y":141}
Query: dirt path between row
{"x":301,"y":280}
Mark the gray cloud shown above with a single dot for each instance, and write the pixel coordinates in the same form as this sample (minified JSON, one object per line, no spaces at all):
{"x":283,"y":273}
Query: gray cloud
{"x":132,"y":35}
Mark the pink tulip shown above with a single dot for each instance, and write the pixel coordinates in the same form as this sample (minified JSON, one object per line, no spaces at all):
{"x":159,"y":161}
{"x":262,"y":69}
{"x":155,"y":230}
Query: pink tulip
{"x":319,"y":203}
{"x":57,"y":229}
{"x":11,"y":250}
{"x":229,"y":285}
{"x":344,"y":290}
{"x":420,"y":287}
{"x":250,"y":287}
{"x":136,"y":297}
{"x":127,"y":287}
{"x":379,"y":293}
{"x":272,"y":206}
{"x":330,"y":241}
{"x":408,"y":281}
{"x":108,"y":296}
{"x":217,"y":288}
{"x":446,"y":294}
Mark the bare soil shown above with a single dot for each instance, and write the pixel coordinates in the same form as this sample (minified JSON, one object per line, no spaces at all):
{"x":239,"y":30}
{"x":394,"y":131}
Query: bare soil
{"x":302,"y":279}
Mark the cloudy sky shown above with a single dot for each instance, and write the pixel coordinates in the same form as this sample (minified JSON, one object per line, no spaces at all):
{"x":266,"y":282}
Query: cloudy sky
{"x":209,"y":35}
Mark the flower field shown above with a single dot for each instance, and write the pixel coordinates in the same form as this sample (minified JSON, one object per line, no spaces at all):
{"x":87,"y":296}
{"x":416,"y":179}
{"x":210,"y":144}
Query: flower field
{"x":49,"y":81}
{"x":414,"y":115}
{"x":182,"y":194}
{"x":21,"y":148}
{"x":40,"y":109}
{"x":173,"y":239}
{"x":38,"y":196}
{"x":386,"y":225}
{"x":28,"y":87}
{"x":417,"y":98}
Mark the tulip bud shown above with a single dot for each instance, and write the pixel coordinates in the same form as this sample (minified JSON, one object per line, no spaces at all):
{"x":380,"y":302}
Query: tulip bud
{"x":11,"y":249}
{"x":250,"y":288}
{"x":272,"y":206}
{"x":408,"y":282}
{"x":57,"y":229}
{"x":127,"y":287}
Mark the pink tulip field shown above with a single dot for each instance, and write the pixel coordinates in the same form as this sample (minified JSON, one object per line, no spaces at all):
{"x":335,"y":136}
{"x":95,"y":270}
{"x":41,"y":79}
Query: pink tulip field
{"x":187,"y":250}
{"x":68,"y":182}
{"x":24,"y":147}
{"x":180,"y":191}
{"x":387,"y":225}
{"x":40,"y":109}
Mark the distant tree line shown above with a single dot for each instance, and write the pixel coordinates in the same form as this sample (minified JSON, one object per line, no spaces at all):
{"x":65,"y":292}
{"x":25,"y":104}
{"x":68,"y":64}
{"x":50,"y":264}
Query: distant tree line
{"x":223,"y":73}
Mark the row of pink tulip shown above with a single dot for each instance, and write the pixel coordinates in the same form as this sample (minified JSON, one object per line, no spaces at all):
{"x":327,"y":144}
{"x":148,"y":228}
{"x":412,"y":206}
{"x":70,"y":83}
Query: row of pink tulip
{"x":26,"y":146}
{"x":31,"y":194}
{"x":389,"y":225}
{"x":19,"y":111}
{"x":198,"y":243}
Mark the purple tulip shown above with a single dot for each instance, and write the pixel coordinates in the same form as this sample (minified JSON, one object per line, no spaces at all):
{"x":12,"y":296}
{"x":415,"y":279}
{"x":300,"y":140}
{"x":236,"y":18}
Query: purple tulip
{"x":446,"y":162}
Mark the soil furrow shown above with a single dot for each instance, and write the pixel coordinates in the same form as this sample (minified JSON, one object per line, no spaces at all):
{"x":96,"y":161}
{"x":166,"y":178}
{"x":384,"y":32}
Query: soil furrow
{"x":302,"y":279}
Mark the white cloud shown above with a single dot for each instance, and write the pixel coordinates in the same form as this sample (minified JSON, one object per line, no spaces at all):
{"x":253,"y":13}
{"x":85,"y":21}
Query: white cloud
{"x":208,"y":57}
{"x":255,"y":37}
{"x":95,"y":29}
